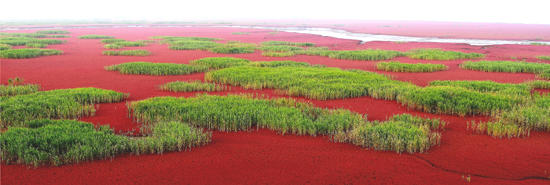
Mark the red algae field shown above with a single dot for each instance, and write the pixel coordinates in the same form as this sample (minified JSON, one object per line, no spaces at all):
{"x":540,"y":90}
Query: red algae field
{"x":263,"y":156}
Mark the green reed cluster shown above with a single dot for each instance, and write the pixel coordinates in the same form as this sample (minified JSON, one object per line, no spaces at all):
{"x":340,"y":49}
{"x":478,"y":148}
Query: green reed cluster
{"x":127,"y":53}
{"x":542,"y":70}
{"x":35,"y":45}
{"x":439,"y":54}
{"x":410,"y":68}
{"x":95,"y":37}
{"x":58,"y":142}
{"x":147,"y":68}
{"x":286,"y":116}
{"x":192,"y":86}
{"x":55,"y":104}
{"x":28,"y":53}
{"x":53,"y":32}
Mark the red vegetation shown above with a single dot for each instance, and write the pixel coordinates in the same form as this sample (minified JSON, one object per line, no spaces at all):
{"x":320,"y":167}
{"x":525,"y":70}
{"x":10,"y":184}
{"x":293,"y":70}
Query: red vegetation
{"x":264,"y":156}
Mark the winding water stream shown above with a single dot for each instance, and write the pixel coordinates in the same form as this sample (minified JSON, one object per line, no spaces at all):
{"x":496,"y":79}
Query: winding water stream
{"x":336,"y":33}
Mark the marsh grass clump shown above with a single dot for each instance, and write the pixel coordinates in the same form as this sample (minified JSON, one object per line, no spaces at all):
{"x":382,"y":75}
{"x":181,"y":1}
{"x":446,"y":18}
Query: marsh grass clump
{"x":398,"y":136}
{"x":285,"y":43}
{"x":53,"y":32}
{"x":16,"y":87}
{"x":28,"y":53}
{"x":146,"y":41}
{"x":231,"y":50}
{"x":538,"y":84}
{"x":147,"y":68}
{"x":130,"y":44}
{"x":439,"y":54}
{"x":235,"y":48}
{"x":433,"y":124}
{"x":278,"y":54}
{"x":95,"y":37}
{"x":59,"y":36}
{"x":334,"y":83}
{"x":517,"y":122}
{"x":58,"y":142}
{"x":127,"y":53}
{"x":286,"y":116}
{"x":173,"y":38}
{"x":410,"y":68}
{"x":538,"y":44}
{"x":542,"y":70}
{"x":368,"y":55}
{"x":542,"y":57}
{"x":110,"y":41}
{"x":192,"y":45}
{"x":28,"y":35}
{"x":279,"y":48}
{"x":5,"y":47}
{"x":216,"y":63}
{"x":241,"y":33}
{"x":273,"y":33}
{"x":12,"y":90}
{"x":35,"y":45}
{"x":21,"y":41}
{"x":488,"y":86}
{"x":55,"y":104}
{"x":196,"y":85}
{"x":112,"y":46}
{"x":219,"y":62}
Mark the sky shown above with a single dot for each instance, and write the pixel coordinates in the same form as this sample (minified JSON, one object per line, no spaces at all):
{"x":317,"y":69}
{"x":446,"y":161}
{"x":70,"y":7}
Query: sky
{"x":524,"y":11}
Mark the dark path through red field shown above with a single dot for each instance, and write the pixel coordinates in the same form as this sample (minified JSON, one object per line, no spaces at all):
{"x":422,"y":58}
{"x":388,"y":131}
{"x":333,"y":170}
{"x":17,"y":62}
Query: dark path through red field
{"x":263,"y":156}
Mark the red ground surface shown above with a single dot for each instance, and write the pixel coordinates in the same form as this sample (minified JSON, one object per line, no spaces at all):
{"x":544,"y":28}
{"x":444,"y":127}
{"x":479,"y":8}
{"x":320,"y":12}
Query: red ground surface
{"x":264,"y":156}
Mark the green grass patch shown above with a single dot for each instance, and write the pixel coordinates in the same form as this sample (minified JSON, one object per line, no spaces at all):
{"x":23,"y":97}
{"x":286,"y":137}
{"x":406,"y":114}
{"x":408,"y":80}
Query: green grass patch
{"x":112,"y":46}
{"x":59,"y":36}
{"x":36,"y":45}
{"x":231,"y":50}
{"x":173,"y":38}
{"x":147,"y":68}
{"x":192,"y":45}
{"x":410,"y":68}
{"x":219,"y":62}
{"x":29,"y":35}
{"x":278,"y":54}
{"x":273,"y":33}
{"x":241,"y":112}
{"x":95,"y":37}
{"x":146,"y":41}
{"x":57,"y":142}
{"x":53,"y":32}
{"x":538,"y":44}
{"x":398,"y":136}
{"x":279,"y":48}
{"x":368,"y":55}
{"x":5,"y":47}
{"x":225,"y":62}
{"x":193,"y":86}
{"x":110,"y":41}
{"x":538,"y":84}
{"x":285,"y":43}
{"x":439,"y":54}
{"x":55,"y":104}
{"x":127,"y":53}
{"x":542,"y":57}
{"x":240,"y":33}
{"x":517,"y":122}
{"x":21,"y":41}
{"x":334,"y":83}
{"x":12,"y":90}
{"x":488,"y":87}
{"x":28,"y":53}
{"x":130,"y":44}
{"x":542,"y":70}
